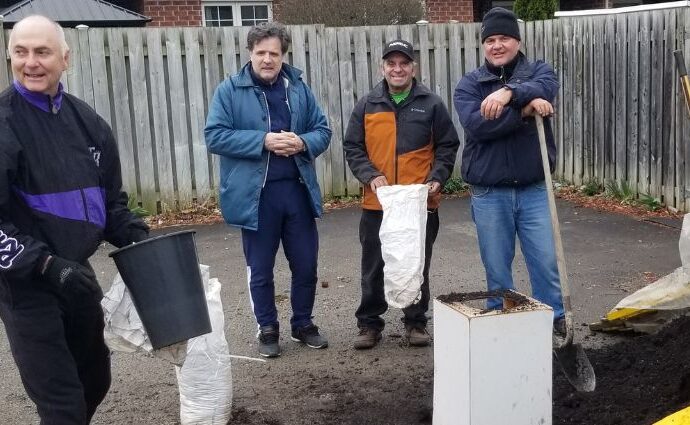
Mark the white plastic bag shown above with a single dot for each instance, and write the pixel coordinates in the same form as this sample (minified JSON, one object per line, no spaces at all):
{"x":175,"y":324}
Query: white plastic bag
{"x":671,"y":292}
{"x":124,"y":331}
{"x":402,"y":234}
{"x":205,"y":379}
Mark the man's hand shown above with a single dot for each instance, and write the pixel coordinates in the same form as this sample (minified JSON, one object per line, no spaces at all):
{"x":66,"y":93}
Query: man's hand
{"x":538,"y":106}
{"x":434,"y":187}
{"x":285,"y":143}
{"x":67,"y":275}
{"x":378,"y":182}
{"x":493,"y":105}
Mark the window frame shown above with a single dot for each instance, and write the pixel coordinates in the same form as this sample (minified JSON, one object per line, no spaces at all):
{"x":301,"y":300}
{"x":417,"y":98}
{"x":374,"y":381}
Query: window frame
{"x":236,"y":9}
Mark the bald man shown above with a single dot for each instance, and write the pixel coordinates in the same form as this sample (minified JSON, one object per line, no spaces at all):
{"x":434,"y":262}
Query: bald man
{"x":60,"y":197}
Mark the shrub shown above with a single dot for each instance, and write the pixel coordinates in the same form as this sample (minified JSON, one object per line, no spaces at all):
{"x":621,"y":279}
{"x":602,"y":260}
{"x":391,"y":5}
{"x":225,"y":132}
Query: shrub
{"x":591,"y":187}
{"x":535,"y":10}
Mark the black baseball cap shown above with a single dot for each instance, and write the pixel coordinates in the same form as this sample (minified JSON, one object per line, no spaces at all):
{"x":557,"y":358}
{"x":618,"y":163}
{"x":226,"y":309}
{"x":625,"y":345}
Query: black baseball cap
{"x":400,"y":46}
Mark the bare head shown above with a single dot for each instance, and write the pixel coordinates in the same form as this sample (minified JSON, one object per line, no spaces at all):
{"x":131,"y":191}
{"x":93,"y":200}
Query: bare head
{"x":38,"y":53}
{"x":267,"y":44}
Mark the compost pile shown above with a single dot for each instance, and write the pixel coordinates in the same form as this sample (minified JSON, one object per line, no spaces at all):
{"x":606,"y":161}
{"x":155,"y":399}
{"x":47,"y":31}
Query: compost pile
{"x":639,"y":381}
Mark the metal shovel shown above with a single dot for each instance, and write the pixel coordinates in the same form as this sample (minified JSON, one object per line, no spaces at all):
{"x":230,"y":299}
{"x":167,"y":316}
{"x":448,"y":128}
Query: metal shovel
{"x":572,"y":358}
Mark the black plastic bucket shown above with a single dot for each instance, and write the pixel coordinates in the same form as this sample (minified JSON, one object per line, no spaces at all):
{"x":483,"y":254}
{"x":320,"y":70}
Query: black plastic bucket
{"x":163,"y":276}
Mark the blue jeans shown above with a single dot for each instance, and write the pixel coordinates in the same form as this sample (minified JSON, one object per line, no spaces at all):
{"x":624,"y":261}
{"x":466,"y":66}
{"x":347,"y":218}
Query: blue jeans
{"x":500,"y":213}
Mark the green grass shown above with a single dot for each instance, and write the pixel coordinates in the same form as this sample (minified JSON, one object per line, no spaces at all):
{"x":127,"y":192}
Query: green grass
{"x":622,"y":192}
{"x":134,"y":207}
{"x":454,"y":185}
{"x":650,"y":202}
{"x":591,"y":187}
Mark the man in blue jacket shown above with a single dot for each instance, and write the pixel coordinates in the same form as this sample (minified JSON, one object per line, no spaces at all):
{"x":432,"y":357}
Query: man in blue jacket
{"x":60,"y":197}
{"x":266,"y":127}
{"x":502,"y":162}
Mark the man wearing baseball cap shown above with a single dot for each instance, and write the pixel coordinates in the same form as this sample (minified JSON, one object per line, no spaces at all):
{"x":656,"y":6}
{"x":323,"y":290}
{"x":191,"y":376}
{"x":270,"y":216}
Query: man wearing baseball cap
{"x":501,"y":161}
{"x":399,"y":133}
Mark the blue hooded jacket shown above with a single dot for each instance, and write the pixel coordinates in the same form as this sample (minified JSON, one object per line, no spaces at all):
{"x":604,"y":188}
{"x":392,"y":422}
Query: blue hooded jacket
{"x":237,"y":123}
{"x":505,"y":151}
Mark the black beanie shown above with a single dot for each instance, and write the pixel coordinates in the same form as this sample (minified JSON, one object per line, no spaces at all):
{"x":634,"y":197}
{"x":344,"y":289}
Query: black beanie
{"x":500,"y":21}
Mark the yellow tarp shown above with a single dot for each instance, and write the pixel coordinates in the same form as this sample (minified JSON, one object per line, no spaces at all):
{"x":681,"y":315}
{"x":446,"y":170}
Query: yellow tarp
{"x":681,"y":417}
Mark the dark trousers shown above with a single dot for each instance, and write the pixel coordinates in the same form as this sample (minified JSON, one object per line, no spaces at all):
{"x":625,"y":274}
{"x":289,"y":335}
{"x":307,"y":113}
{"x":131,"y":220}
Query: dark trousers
{"x":57,"y":344}
{"x":285,"y":215}
{"x":373,"y":303}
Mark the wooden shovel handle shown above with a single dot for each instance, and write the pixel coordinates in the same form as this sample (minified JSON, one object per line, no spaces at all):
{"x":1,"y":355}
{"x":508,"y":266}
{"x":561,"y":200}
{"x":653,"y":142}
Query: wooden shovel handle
{"x":558,"y":244}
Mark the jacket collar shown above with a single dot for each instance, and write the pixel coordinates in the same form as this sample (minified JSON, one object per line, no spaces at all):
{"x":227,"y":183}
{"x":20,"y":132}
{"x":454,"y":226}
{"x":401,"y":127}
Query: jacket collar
{"x":289,"y":72}
{"x":522,"y":71}
{"x":380,"y":92}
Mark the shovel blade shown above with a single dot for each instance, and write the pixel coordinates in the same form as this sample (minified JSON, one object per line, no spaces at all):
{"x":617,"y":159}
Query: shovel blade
{"x":576,"y":367}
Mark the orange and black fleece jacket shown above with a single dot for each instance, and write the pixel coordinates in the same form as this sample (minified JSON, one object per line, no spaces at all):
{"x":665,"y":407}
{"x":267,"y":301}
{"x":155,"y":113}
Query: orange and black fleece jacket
{"x":413,"y":142}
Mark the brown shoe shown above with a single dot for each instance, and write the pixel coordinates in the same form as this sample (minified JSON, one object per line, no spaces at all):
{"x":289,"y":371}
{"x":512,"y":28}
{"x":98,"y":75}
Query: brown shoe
{"x":417,"y":336}
{"x":367,"y":338}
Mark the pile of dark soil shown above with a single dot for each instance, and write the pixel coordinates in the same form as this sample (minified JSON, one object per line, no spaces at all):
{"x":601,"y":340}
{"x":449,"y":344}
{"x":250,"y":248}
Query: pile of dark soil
{"x":639,"y":381}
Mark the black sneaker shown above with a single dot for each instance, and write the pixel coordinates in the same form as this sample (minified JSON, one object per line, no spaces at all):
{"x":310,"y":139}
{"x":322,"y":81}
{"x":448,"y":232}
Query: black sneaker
{"x":268,"y":341}
{"x":309,"y":335}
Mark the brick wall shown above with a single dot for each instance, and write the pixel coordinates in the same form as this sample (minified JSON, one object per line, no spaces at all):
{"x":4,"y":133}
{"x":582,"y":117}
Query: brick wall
{"x":170,"y":13}
{"x":445,"y":10}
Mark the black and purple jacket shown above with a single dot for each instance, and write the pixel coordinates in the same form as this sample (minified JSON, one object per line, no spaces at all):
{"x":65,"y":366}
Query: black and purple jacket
{"x":60,"y":182}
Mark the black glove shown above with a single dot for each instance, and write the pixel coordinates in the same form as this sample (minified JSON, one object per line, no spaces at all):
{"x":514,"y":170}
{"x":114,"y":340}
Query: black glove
{"x":137,"y":234}
{"x":66,"y":275}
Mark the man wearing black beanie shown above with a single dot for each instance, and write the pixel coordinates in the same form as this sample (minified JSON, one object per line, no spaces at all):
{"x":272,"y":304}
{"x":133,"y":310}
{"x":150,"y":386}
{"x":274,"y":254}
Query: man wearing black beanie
{"x":501,"y":161}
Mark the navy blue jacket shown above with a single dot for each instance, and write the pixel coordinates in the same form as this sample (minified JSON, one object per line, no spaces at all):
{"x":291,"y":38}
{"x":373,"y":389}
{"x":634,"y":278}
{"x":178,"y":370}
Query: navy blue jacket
{"x":236,"y":126}
{"x":505,"y":151}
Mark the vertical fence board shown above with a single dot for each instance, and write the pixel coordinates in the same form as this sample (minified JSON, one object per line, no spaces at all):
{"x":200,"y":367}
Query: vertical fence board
{"x":123,"y":123}
{"x":101,"y":85}
{"x":610,"y":108}
{"x":335,"y":117}
{"x":159,"y":108}
{"x":577,"y":117}
{"x":568,"y":98}
{"x":440,"y":63}
{"x":668,"y":121}
{"x":178,"y":117}
{"x":587,"y":111}
{"x":645,"y":78}
{"x":621,"y":115}
{"x":657,"y":105}
{"x":5,"y":75}
{"x":346,"y":95}
{"x":318,"y":86}
{"x":456,"y":73}
{"x":197,"y":115}
{"x":425,"y":66}
{"x":85,"y":64}
{"x":72,"y":79}
{"x":632,"y":106}
{"x":299,"y":53}
{"x":142,"y":126}
{"x":229,"y":52}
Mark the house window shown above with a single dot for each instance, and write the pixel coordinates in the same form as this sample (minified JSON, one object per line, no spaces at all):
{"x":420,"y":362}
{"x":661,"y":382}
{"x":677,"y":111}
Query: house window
{"x":236,"y":13}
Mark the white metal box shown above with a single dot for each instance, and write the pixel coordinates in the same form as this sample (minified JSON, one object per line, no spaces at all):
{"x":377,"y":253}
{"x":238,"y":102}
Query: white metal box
{"x":492,"y":367}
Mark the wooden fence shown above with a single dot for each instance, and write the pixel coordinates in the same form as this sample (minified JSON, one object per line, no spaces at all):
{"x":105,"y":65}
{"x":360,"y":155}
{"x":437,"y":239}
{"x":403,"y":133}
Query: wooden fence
{"x":620,"y":113}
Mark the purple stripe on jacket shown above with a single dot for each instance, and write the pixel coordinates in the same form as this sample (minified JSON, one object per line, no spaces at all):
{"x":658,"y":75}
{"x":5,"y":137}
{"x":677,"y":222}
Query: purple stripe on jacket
{"x":85,"y":205}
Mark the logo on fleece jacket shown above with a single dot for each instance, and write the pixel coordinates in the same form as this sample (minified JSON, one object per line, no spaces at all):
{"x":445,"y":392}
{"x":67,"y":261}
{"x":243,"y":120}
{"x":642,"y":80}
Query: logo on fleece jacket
{"x":10,"y":249}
